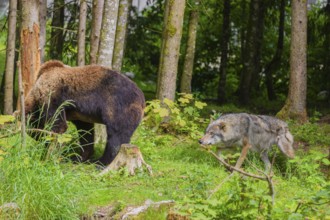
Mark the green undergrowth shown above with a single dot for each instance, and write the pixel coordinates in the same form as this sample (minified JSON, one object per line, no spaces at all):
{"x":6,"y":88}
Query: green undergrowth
{"x":45,"y":184}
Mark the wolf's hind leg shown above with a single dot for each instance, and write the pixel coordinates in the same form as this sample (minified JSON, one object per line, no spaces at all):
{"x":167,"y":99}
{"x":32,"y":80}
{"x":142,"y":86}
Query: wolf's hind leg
{"x":265,"y":159}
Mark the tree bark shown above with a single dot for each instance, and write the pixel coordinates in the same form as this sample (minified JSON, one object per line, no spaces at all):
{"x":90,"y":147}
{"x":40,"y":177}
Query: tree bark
{"x":10,"y":58}
{"x":224,"y":51}
{"x":42,"y":22}
{"x":129,"y":156}
{"x":169,"y":57}
{"x":30,"y":51}
{"x":57,"y":36}
{"x":188,"y":65}
{"x":295,"y":105}
{"x":122,"y":22}
{"x":82,"y":33}
{"x":274,"y":64}
{"x":107,"y":41}
{"x":97,"y":12}
{"x":108,"y":32}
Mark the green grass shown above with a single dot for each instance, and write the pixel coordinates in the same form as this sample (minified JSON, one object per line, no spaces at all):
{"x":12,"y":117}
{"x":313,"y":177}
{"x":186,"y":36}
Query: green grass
{"x":54,"y":188}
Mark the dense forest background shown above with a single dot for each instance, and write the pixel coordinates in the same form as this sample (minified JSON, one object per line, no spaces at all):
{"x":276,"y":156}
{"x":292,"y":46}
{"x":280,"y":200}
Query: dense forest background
{"x":194,"y":60}
{"x":223,"y":30}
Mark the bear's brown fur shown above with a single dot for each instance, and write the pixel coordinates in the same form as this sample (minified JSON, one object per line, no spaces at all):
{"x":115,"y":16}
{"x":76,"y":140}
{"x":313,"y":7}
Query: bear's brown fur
{"x":98,"y":95}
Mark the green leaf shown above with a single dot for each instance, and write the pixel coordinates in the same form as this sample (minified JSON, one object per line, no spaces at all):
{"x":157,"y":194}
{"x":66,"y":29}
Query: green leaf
{"x":182,"y":123}
{"x":187,"y":96}
{"x":168,"y":102}
{"x":200,"y":105}
{"x":189,"y":110}
{"x":64,"y":138}
{"x":183,"y":100}
{"x":163,"y":112}
{"x":6,"y":119}
{"x":325,"y":161}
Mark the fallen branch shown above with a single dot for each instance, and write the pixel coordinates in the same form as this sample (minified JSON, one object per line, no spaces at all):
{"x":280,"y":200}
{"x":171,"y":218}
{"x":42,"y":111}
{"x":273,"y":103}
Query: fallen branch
{"x":266,"y":177}
{"x":234,"y":168}
{"x":137,"y":210}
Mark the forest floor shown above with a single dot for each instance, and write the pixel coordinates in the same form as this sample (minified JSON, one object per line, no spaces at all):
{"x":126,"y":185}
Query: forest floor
{"x":50,"y":187}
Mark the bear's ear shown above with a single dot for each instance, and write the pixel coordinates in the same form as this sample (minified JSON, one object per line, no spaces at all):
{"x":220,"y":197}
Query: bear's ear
{"x":49,"y":65}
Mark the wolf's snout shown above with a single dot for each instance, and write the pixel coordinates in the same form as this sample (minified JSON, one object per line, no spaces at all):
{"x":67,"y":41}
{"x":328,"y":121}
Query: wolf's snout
{"x":200,"y":141}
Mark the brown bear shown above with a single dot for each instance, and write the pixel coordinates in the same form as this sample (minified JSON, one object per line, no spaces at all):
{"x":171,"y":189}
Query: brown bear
{"x":98,"y":95}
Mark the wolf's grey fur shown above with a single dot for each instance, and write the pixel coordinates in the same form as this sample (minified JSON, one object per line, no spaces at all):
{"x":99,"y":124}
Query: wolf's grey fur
{"x":258,"y":132}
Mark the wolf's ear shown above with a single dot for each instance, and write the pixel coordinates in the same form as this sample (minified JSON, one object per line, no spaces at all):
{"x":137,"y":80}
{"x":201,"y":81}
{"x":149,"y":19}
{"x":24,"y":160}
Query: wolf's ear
{"x":222,"y":126}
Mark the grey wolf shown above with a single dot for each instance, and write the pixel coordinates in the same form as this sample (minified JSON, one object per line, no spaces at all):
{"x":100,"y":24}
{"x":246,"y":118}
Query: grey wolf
{"x":255,"y":132}
{"x":98,"y":95}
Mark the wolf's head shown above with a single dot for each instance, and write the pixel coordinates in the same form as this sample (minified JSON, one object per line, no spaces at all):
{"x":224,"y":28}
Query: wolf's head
{"x":225,"y":129}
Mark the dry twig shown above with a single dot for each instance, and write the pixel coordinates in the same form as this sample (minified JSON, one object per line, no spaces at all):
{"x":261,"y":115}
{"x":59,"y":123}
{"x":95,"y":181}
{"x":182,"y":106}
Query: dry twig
{"x":266,"y":176}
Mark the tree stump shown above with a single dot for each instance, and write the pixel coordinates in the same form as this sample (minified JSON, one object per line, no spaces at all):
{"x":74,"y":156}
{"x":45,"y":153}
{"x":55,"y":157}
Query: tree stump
{"x":129,"y":156}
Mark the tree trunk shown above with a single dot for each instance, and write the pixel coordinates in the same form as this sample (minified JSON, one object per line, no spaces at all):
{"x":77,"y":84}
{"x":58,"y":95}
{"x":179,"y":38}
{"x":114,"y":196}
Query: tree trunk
{"x":42,"y":22}
{"x":326,"y":45}
{"x":108,"y":32}
{"x":97,"y":12}
{"x":30,"y":51}
{"x":295,"y":105}
{"x":129,"y":156}
{"x":169,"y":57}
{"x":82,"y":33}
{"x":256,"y":75}
{"x":10,"y":58}
{"x":107,"y":41}
{"x":224,"y":51}
{"x":123,"y":15}
{"x":188,"y":65}
{"x":57,"y":36}
{"x":251,"y":64}
{"x":274,"y":64}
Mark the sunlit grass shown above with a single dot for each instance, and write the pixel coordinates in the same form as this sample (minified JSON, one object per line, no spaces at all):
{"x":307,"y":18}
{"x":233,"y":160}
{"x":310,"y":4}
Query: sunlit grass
{"x":54,"y":188}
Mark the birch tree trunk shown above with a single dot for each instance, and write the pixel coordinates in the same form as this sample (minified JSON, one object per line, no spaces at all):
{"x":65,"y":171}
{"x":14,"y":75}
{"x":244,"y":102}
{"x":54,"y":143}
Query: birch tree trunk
{"x":82,"y":33}
{"x":295,"y":105}
{"x":30,"y":51}
{"x":107,"y":41}
{"x":168,"y":67}
{"x":224,"y":51}
{"x":97,"y":12}
{"x":108,"y":32}
{"x":188,"y":65}
{"x":42,"y":22}
{"x":10,"y":58}
{"x":122,"y":22}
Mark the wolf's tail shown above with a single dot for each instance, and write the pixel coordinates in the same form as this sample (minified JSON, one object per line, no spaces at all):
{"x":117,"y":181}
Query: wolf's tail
{"x":285,"y":142}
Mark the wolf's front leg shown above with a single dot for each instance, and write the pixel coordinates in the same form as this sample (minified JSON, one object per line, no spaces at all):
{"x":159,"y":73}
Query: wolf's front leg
{"x":245,"y":150}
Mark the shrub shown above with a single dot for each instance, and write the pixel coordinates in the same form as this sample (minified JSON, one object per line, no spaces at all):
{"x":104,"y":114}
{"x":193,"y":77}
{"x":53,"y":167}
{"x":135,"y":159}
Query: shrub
{"x":181,"y":117}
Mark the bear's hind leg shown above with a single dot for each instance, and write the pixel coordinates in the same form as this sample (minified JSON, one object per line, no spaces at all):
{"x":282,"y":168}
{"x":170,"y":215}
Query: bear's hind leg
{"x":86,"y":139}
{"x":114,"y":141}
